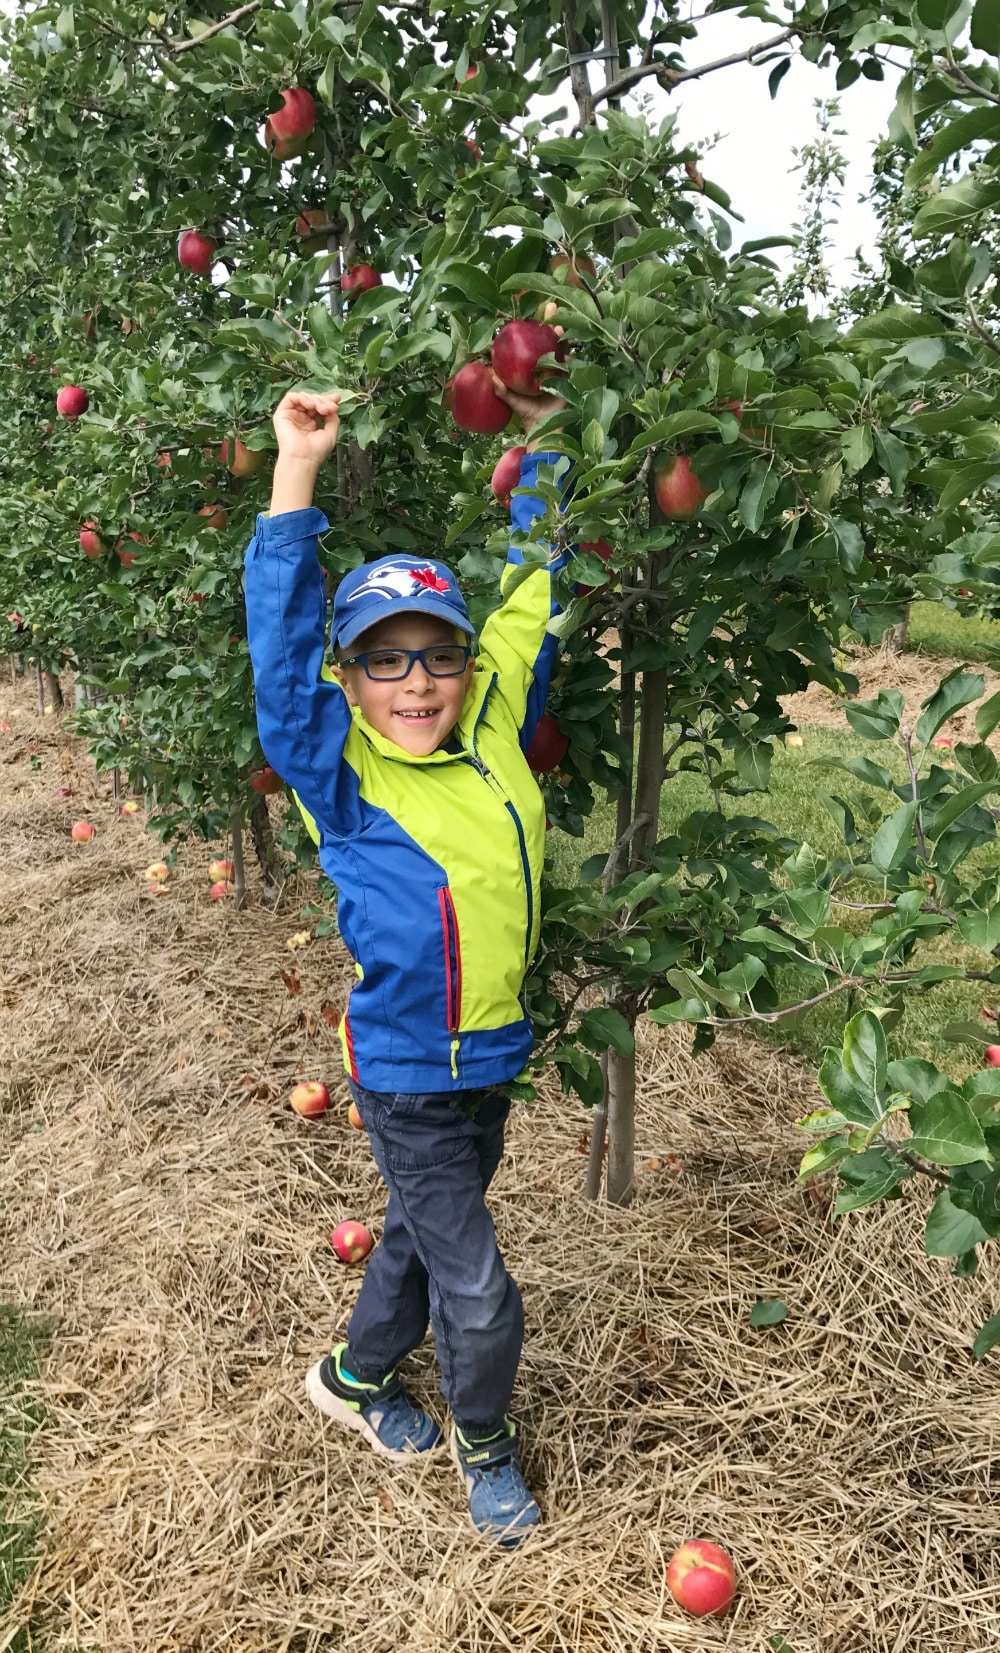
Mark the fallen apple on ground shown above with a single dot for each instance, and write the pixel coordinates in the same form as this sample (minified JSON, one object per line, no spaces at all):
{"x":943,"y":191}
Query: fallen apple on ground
{"x":81,"y":832}
{"x":158,"y":870}
{"x":220,"y":870}
{"x":354,"y":1118}
{"x":701,"y":1578}
{"x":351,"y":1242}
{"x":220,"y":889}
{"x":794,"y":740}
{"x":942,"y":744}
{"x":129,"y":808}
{"x":310,"y":1098}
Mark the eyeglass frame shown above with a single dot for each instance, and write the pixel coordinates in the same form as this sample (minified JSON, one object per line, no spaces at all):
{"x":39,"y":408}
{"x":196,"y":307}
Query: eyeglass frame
{"x":414,"y":654}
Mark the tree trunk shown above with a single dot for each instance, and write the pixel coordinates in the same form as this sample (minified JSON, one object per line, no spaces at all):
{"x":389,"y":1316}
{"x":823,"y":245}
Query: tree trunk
{"x":239,"y":865}
{"x":897,"y":641}
{"x":55,"y":688}
{"x":267,"y":856}
{"x":39,"y":686}
{"x":621,"y":1128}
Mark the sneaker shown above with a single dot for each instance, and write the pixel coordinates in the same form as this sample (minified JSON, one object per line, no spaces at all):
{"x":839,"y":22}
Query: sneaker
{"x":500,"y":1505}
{"x":382,"y":1412}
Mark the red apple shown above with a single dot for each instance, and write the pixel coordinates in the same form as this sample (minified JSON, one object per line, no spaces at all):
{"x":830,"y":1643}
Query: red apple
{"x":283,"y":149}
{"x":578,"y":265}
{"x":470,"y":74}
{"x":131,"y":807}
{"x":354,"y":1118}
{"x":473,"y":403}
{"x":701,"y":1578}
{"x":678,"y":492}
{"x":163,"y":461}
{"x":942,"y":744}
{"x":304,"y":225}
{"x":351,"y":1242}
{"x":477,"y":153}
{"x":220,"y":871}
{"x":266,"y":781}
{"x":297,"y":115}
{"x":157,"y":870}
{"x":72,"y":401}
{"x":245,"y":461}
{"x":310,"y":1098}
{"x":81,"y":832}
{"x":220,"y":889}
{"x":91,"y":543}
{"x":360,"y":278}
{"x":507,"y":475}
{"x":548,"y":746}
{"x":602,"y":549}
{"x":991,"y":1056}
{"x":127,"y":558}
{"x":196,"y":252}
{"x":217,"y":515}
{"x":517,"y":350}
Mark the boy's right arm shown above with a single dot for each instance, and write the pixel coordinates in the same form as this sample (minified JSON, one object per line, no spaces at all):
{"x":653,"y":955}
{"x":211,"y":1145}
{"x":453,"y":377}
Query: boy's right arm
{"x":303,"y":718}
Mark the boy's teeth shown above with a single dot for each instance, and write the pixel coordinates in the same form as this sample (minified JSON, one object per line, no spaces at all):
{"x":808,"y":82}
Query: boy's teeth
{"x":417,"y":715}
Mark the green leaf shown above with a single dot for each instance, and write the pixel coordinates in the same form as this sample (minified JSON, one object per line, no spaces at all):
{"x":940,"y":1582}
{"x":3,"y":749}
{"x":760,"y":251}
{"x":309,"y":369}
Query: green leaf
{"x":753,"y":763}
{"x":757,"y":494}
{"x":768,"y":1311}
{"x":981,"y":929}
{"x":987,"y":1337}
{"x":894,"y":838}
{"x":823,"y":1157}
{"x":957,"y":805}
{"x":608,"y":1028}
{"x":988,"y":716}
{"x":953,"y":692}
{"x":880,"y":1185}
{"x":864,"y":1054}
{"x":950,"y":1230}
{"x":917,"y":1078}
{"x":897,"y":323}
{"x":843,"y":1091}
{"x":986,"y":27}
{"x":957,"y":135}
{"x":475,"y":285}
{"x":934,"y":14}
{"x":877,"y":719}
{"x":683,"y":423}
{"x":857,"y":447}
{"x":946,"y":1131}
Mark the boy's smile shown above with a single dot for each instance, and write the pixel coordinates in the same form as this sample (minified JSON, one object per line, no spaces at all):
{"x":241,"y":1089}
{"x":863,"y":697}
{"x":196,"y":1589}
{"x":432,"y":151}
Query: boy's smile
{"x":417,"y":712}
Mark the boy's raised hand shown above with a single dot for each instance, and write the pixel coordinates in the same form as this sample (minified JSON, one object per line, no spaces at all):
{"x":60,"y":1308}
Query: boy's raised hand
{"x":307,"y":425}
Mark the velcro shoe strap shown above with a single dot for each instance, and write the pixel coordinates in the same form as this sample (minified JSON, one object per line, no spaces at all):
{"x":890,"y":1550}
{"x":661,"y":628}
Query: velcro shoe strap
{"x":490,"y":1454}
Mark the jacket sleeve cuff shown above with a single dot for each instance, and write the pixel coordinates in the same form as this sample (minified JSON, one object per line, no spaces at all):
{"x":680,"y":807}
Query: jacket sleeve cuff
{"x":291,"y":526}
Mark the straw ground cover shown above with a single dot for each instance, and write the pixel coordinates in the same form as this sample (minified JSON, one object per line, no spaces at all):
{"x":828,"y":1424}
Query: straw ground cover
{"x":165,"y":1209}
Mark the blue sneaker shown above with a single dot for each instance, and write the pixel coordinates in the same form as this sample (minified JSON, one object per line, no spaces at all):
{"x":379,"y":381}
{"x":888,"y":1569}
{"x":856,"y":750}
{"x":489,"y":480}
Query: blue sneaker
{"x":500,"y":1505}
{"x":382,"y":1412}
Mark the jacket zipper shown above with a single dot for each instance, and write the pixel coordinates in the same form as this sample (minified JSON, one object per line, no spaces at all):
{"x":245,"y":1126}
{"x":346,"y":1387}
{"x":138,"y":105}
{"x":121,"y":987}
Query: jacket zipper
{"x":493,"y":783}
{"x":452,"y":971}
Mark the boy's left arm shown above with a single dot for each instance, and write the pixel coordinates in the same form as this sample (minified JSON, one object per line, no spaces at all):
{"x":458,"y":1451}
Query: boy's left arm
{"x":514,"y":642}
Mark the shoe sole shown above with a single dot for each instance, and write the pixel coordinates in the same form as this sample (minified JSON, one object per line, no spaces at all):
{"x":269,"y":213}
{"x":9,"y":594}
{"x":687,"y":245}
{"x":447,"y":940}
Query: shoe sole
{"x":338,"y":1410}
{"x":507,"y":1539}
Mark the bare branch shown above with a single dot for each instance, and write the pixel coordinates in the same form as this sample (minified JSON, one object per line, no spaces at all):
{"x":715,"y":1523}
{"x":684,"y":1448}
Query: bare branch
{"x":980,"y":331}
{"x":670,"y":78}
{"x":906,"y":735}
{"x":215,"y":28}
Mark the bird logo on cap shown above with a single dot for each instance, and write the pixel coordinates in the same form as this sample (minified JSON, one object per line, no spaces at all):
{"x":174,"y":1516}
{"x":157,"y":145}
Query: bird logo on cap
{"x":398,"y":580}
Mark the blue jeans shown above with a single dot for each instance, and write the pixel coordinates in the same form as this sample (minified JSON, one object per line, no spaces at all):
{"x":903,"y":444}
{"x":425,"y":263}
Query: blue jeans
{"x":438,"y":1259}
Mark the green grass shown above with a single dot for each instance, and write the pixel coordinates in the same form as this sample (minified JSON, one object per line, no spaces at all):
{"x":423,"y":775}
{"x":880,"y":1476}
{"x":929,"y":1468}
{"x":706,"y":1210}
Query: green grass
{"x":794,"y":809}
{"x":937,"y":630}
{"x":21,"y":1525}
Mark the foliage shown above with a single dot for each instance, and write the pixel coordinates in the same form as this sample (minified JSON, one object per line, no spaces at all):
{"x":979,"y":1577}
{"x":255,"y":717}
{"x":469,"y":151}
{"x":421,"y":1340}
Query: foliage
{"x":850,"y":459}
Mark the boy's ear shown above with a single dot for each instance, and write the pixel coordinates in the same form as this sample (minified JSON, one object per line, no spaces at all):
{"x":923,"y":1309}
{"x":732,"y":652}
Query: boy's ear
{"x":342,"y":678}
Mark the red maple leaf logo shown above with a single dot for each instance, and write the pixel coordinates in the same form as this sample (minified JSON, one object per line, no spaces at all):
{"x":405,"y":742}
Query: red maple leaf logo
{"x":430,"y":580}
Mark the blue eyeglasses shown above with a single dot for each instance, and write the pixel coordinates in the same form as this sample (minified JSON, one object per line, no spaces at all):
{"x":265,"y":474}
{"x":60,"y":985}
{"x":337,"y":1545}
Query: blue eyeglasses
{"x":390,"y":665}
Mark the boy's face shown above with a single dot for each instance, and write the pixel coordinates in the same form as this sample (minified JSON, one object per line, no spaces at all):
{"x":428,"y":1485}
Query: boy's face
{"x":418,"y":711}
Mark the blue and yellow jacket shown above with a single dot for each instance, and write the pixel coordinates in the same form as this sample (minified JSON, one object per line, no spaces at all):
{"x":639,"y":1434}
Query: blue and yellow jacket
{"x":437,"y":860}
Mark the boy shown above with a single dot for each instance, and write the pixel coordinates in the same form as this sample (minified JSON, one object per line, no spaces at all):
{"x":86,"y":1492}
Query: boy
{"x":407,"y":762}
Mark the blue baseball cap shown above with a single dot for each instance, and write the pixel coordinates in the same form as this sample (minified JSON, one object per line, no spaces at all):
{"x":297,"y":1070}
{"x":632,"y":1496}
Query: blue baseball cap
{"x":395,"y":585}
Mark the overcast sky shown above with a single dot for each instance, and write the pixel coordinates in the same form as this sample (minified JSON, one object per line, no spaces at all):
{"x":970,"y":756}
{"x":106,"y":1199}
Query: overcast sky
{"x":753,"y":161}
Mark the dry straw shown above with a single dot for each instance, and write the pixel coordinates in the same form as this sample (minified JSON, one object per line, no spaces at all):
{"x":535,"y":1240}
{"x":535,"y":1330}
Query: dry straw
{"x":161,"y":1202}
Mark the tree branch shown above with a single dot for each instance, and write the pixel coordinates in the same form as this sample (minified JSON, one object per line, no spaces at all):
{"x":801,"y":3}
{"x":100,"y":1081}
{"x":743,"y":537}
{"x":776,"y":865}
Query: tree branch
{"x":215,"y":28}
{"x":670,"y":78}
{"x":980,"y":331}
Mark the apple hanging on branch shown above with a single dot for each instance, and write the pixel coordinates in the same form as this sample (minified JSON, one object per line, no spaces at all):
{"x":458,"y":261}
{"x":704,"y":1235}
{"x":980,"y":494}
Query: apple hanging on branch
{"x":507,"y":475}
{"x":473,"y":403}
{"x":244,"y":461}
{"x":266,"y":781}
{"x":196,"y":252}
{"x":71,"y":401}
{"x":547,"y":747}
{"x":91,"y":543}
{"x":519,"y":347}
{"x":287,"y":130}
{"x":358,"y":279}
{"x":678,"y":492}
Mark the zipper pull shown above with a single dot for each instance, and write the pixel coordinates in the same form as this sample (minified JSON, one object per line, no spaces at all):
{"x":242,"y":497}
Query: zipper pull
{"x":454,"y":1058}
